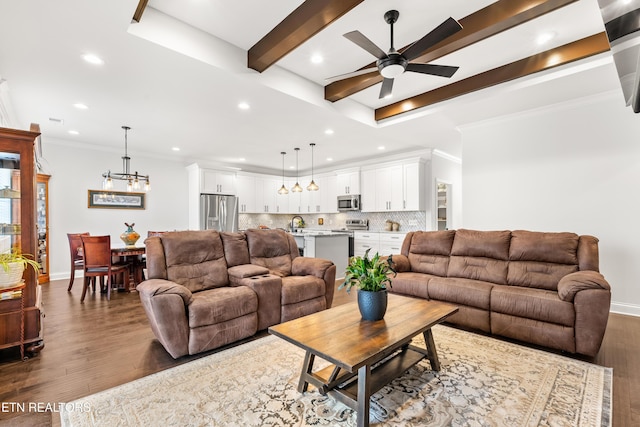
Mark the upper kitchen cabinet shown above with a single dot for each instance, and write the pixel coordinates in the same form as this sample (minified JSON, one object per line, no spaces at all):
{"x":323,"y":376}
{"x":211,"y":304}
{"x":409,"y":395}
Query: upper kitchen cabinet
{"x":393,"y":186}
{"x":246,"y":189}
{"x":328,"y":193}
{"x":348,"y":181}
{"x":413,"y":175}
{"x":212,"y":181}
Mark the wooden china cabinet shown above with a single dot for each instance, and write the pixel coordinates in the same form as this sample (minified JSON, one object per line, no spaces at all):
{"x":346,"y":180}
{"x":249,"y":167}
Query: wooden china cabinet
{"x":20,"y":318}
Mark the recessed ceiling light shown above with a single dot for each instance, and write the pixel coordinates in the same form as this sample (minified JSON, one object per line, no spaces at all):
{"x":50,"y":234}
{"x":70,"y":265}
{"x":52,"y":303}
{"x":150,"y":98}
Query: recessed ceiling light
{"x":316,"y":58}
{"x":381,"y":147}
{"x":243,"y":106}
{"x":242,"y":159}
{"x":92,"y":59}
{"x":626,"y":1}
{"x":175,"y":148}
{"x":80,"y":106}
{"x":329,"y":132}
{"x":74,"y":132}
{"x":545,"y":38}
{"x":329,"y":159}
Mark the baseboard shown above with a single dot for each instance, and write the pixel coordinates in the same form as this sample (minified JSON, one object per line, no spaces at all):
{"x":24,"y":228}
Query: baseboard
{"x":628,"y":309}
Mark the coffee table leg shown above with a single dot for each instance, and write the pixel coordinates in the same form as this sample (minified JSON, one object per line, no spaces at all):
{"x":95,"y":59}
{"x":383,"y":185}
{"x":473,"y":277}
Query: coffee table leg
{"x":364,"y":394}
{"x":432,"y":353}
{"x":307,"y":368}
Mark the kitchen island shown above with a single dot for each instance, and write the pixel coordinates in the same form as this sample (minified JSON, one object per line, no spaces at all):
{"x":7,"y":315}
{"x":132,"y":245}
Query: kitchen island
{"x":325,"y":244}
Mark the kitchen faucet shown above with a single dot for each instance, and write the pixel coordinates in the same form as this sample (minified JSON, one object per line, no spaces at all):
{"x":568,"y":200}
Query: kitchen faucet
{"x":293,"y":219}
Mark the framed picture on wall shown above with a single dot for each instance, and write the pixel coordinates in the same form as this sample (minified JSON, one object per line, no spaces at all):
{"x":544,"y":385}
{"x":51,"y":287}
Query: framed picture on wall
{"x":115,"y":200}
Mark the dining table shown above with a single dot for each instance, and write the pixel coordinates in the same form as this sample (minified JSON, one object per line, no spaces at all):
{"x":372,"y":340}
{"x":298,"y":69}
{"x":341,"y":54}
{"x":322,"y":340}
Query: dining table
{"x":134,"y":257}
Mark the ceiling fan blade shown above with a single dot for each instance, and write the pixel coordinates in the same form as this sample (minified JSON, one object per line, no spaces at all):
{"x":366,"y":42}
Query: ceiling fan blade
{"x":353,"y":73}
{"x":434,"y":70}
{"x":361,"y":40}
{"x":441,"y":32}
{"x":385,"y":90}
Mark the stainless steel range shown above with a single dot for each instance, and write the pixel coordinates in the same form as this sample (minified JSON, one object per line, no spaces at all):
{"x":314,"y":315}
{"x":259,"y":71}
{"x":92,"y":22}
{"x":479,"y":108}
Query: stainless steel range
{"x":352,"y":225}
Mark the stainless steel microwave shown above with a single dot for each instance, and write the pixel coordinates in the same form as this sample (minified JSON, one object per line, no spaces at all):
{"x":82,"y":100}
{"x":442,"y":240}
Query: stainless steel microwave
{"x":350,"y":202}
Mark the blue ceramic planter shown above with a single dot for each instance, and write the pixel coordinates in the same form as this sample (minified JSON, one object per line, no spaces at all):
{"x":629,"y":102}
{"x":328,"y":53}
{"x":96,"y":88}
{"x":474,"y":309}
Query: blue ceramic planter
{"x":372,"y":305}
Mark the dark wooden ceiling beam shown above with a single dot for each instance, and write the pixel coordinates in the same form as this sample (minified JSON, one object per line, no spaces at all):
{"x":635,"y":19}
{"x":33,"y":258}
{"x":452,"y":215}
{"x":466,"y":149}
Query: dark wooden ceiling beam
{"x":580,"y":49}
{"x":487,"y":22}
{"x":142,"y":5}
{"x":303,"y":23}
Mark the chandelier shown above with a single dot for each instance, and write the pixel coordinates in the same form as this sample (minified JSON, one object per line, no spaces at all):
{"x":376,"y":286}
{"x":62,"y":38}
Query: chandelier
{"x":134,"y":180}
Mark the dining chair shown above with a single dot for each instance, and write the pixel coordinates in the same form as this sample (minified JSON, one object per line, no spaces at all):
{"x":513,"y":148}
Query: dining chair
{"x":77,"y":260}
{"x":97,"y":263}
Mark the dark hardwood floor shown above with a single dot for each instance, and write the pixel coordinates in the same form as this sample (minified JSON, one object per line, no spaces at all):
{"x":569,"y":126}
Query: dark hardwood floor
{"x":99,"y":344}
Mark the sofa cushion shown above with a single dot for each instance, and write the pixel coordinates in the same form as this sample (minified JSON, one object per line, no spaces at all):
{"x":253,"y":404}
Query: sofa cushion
{"x":541,"y":275}
{"x":540,"y":260}
{"x":411,"y":283}
{"x":477,"y":268}
{"x":486,"y":244}
{"x":429,"y":251}
{"x":301,"y":288}
{"x":536,"y":304}
{"x":236,"y":250}
{"x":557,"y":248}
{"x":219,"y":305}
{"x":480,"y":255}
{"x":195,"y":259}
{"x":472,"y":293}
{"x":270,"y":249}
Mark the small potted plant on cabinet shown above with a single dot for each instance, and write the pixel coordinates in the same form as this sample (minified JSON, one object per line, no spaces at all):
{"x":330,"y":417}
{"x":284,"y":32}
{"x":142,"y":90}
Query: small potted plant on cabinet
{"x":13,"y":263}
{"x":371,"y":278}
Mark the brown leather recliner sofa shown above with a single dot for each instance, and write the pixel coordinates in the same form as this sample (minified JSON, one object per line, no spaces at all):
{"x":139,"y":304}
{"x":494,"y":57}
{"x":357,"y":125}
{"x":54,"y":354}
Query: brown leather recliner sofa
{"x":206,"y":289}
{"x":540,"y":288}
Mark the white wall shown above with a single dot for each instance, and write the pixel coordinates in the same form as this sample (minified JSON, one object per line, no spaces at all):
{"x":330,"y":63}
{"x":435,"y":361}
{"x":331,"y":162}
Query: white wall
{"x":571,"y":167}
{"x":75,"y":170}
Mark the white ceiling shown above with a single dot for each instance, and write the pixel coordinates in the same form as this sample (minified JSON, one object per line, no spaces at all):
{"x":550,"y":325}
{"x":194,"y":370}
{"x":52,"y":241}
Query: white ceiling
{"x":177,"y":77}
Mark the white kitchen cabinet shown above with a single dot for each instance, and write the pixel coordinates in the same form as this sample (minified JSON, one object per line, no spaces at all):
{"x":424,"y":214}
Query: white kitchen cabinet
{"x":391,"y":243}
{"x":368,"y":190}
{"x":266,"y":194}
{"x":363,"y":240}
{"x":328,"y":193}
{"x":414,"y":186}
{"x":393,"y":187}
{"x":348,"y":181}
{"x":217,"y":182}
{"x":389,"y":188}
{"x":246,"y":191}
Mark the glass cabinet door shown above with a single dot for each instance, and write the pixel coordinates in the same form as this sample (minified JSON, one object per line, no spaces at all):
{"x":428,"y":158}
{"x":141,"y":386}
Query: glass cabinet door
{"x":42,"y":223}
{"x":10,"y":227}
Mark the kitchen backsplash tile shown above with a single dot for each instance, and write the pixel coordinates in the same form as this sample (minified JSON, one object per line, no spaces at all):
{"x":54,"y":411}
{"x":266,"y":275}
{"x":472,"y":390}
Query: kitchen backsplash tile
{"x":377,"y":220}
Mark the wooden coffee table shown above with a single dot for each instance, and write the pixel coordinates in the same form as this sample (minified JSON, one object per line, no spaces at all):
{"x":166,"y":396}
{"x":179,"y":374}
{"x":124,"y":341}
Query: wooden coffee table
{"x":355,"y":347}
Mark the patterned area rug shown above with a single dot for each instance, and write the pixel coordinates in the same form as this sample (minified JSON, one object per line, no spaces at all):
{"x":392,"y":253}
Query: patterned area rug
{"x":482,"y":382}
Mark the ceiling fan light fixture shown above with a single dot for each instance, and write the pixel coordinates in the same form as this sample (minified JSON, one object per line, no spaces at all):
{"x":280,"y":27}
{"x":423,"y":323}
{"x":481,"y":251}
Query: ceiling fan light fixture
{"x":392,"y":71}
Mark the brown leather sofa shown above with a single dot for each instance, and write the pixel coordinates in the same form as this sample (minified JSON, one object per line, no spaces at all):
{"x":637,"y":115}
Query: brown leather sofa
{"x":206,"y":289}
{"x":540,"y":288}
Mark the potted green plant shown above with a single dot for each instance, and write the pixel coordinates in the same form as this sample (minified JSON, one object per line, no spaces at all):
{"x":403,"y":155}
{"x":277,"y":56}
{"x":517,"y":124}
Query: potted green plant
{"x":13,"y":263}
{"x":371,"y":276}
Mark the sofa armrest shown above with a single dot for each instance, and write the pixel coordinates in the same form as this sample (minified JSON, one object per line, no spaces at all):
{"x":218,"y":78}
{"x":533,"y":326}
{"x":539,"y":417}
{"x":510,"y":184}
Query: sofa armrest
{"x":165,"y":304}
{"x":573,"y":283}
{"x":400,"y":263}
{"x":318,"y":267}
{"x":246,"y":270}
{"x":153,"y":287}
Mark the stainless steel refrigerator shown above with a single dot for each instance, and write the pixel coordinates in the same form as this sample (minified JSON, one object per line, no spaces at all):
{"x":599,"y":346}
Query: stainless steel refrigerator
{"x":218,"y":212}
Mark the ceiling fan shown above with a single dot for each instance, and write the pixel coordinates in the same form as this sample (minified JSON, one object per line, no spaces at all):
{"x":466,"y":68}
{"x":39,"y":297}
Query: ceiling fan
{"x":392,"y":64}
